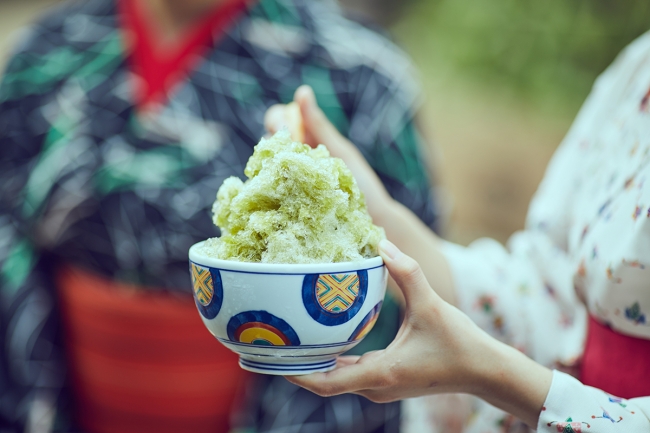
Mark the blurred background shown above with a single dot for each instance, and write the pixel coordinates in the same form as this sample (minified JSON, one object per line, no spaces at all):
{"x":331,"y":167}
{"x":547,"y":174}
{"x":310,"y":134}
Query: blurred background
{"x":502,"y":81}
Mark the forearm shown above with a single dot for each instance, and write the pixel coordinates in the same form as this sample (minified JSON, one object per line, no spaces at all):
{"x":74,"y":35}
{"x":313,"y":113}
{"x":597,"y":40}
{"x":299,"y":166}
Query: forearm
{"x":504,"y":377}
{"x":437,"y":350}
{"x":417,"y":240}
{"x":509,"y":380}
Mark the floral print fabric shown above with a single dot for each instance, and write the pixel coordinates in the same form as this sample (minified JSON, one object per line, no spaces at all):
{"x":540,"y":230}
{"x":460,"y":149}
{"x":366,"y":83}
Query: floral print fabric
{"x":585,"y":250}
{"x":572,"y":407}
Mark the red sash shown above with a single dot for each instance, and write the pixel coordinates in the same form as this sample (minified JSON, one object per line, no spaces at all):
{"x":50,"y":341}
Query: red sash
{"x":142,"y":361}
{"x":616,"y":363}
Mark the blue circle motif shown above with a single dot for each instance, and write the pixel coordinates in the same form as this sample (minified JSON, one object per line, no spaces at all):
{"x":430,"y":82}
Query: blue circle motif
{"x":204,"y":279}
{"x":264,"y":317}
{"x":332,"y":317}
{"x":372,"y":314}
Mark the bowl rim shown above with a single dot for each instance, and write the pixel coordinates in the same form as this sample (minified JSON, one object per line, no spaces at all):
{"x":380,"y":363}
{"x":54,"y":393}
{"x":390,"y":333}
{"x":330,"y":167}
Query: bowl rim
{"x":281,"y":268}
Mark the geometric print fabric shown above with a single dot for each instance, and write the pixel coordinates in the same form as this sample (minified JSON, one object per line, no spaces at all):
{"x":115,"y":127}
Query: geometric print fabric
{"x":89,"y":180}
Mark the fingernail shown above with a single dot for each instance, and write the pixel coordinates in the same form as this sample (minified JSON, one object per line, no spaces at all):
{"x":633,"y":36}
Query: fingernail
{"x":298,"y":95}
{"x":388,"y":249}
{"x":307,"y":93}
{"x":310,"y":92}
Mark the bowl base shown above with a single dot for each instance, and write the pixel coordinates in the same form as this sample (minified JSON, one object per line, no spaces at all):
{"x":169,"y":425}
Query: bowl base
{"x":289,"y":367}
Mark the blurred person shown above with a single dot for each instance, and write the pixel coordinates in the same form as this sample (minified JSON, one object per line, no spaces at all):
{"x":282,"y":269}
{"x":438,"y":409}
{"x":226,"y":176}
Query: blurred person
{"x":119,"y":119}
{"x":571,"y":291}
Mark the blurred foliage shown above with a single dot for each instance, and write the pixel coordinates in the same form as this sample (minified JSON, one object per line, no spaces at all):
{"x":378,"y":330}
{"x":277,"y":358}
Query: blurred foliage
{"x":378,"y":12}
{"x":547,"y":53}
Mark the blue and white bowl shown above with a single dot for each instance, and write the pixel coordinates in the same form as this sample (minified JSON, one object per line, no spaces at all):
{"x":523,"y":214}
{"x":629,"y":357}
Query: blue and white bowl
{"x":286,"y":319}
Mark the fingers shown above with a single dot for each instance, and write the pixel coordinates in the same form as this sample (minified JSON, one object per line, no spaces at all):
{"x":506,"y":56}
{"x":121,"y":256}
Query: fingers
{"x":405,"y":271}
{"x":274,"y":119}
{"x":343,"y":361}
{"x":320,"y":128}
{"x":309,"y":118}
{"x":285,"y":116}
{"x":309,"y":124}
{"x":294,"y":121}
{"x":350,"y":376}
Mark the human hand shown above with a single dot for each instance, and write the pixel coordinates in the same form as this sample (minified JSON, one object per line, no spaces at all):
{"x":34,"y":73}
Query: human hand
{"x":433,"y":352}
{"x":317,"y":129}
{"x":438,"y":349}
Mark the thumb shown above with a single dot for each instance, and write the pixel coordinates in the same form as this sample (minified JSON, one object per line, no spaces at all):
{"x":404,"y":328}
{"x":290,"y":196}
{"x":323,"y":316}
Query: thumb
{"x":406,"y":272}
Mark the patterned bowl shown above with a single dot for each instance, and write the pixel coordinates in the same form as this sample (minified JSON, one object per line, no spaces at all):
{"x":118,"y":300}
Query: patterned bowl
{"x":287,"y":319}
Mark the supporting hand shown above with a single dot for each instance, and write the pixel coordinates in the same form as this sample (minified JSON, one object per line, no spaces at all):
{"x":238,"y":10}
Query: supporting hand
{"x":437,"y":350}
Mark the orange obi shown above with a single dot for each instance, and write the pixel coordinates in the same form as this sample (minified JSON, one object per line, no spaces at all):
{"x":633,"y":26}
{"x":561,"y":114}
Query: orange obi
{"x":142,"y":361}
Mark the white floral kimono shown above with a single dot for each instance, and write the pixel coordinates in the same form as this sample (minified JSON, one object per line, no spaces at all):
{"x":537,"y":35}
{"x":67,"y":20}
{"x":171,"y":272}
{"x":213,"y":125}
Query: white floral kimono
{"x":585,"y":252}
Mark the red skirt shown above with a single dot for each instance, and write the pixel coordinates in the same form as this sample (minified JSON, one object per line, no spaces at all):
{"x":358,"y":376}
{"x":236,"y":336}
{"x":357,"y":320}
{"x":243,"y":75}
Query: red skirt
{"x":616,"y":363}
{"x":142,"y":360}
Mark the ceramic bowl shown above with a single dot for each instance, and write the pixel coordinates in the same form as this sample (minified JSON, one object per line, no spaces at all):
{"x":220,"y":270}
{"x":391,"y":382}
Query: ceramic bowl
{"x":287,"y":319}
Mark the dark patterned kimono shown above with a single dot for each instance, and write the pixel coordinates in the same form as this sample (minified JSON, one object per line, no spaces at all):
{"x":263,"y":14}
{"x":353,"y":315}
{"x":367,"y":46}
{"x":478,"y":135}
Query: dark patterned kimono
{"x":89,"y":180}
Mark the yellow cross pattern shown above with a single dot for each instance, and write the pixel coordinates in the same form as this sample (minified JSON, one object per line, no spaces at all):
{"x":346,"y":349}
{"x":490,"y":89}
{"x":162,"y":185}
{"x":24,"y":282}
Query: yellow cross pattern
{"x":203,"y":286}
{"x":337,"y":292}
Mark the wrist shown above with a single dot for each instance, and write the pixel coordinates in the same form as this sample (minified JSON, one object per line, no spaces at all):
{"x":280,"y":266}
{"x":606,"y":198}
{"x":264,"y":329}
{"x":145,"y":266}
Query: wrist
{"x":511,"y":381}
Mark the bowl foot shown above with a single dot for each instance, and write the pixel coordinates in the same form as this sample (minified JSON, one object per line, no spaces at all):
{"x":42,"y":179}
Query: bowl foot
{"x":281,"y":367}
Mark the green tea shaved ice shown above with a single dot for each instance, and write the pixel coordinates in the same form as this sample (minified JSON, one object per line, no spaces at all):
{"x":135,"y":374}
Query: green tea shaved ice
{"x":298,"y":205}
